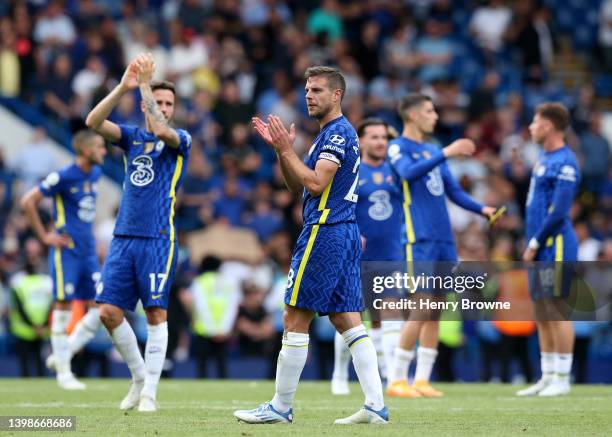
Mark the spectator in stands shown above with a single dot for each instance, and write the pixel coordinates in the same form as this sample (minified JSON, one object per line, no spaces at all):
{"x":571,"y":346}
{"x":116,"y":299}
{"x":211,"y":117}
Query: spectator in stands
{"x":229,"y":207}
{"x":36,"y":160}
{"x":86,"y":81}
{"x":488,"y":25}
{"x":54,"y":30}
{"x":10,"y":73}
{"x":435,"y":51}
{"x":326,"y":19}
{"x":58,"y":96}
{"x":596,"y":154}
{"x":605,"y":34}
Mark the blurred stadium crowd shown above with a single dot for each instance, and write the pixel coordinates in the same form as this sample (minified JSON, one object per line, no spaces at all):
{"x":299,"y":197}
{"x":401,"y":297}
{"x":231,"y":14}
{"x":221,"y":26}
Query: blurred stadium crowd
{"x":486,"y":64}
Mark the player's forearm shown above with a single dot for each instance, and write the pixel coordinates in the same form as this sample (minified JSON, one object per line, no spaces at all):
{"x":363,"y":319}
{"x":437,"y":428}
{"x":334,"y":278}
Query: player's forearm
{"x":155,"y":118}
{"x":301,"y":174}
{"x":102,"y":110}
{"x":29,"y":205}
{"x":562,"y":202}
{"x":461,"y":198}
{"x":292,"y":183}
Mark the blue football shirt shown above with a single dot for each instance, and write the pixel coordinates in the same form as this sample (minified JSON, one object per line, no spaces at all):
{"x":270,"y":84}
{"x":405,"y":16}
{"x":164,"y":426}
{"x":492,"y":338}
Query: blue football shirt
{"x":379,"y":213}
{"x":154,"y":173}
{"x":74,"y":196}
{"x":337,"y":142}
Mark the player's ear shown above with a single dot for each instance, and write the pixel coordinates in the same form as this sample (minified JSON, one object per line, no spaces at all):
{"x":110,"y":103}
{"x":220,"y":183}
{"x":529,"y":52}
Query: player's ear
{"x":142,"y":108}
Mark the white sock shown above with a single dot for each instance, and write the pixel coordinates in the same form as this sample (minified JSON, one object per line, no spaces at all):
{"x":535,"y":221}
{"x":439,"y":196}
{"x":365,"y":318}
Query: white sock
{"x":401,"y":363}
{"x":390,"y":340}
{"x":342,"y":359}
{"x":127,"y":345}
{"x":84,"y":331}
{"x":59,"y":341}
{"x":291,"y":361}
{"x":366,"y":365}
{"x":547,"y":363}
{"x":376,"y":334}
{"x":563,"y":365}
{"x":426,"y":357}
{"x":155,"y":355}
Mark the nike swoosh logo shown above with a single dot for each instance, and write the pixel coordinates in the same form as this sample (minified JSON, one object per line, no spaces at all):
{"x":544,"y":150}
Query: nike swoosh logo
{"x":156,"y":296}
{"x":136,"y":143}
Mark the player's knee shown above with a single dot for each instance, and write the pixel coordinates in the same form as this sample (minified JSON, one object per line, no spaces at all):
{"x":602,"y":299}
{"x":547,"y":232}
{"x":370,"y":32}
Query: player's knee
{"x":110,"y":317}
{"x":156,"y":315}
{"x":295,"y":321}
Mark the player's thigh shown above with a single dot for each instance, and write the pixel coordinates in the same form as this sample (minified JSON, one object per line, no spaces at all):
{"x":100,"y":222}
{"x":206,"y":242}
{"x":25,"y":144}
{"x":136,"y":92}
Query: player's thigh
{"x":155,"y":271}
{"x":315,"y":266}
{"x":118,"y":286}
{"x":347,"y":295}
{"x":64,"y":268}
{"x":89,"y":278}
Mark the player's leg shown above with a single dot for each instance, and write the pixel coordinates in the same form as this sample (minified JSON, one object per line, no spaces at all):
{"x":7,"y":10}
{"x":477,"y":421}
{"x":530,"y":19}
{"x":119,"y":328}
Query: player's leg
{"x":366,"y":366}
{"x":562,"y":333}
{"x":291,"y":361}
{"x":342,"y":360}
{"x":89,"y":324}
{"x":427,"y":352}
{"x":376,"y":334}
{"x":403,"y":356}
{"x":116,"y":293}
{"x":547,"y":354}
{"x":64,"y":273}
{"x":154,"y":274}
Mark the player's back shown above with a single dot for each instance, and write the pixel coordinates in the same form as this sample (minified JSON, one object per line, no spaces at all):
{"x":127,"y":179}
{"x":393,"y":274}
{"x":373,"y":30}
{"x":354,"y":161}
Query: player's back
{"x":551,"y":170}
{"x":337,"y":142}
{"x":426,"y":214}
{"x":154,"y":173}
{"x":74,"y":196}
{"x":379,"y":213}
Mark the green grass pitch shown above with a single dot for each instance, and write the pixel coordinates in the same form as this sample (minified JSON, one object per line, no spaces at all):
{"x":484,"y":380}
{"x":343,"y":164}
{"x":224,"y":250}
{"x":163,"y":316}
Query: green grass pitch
{"x":204,"y":408}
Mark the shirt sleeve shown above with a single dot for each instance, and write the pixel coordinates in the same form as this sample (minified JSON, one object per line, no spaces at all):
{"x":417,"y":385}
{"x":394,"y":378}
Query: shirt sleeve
{"x":456,"y":194}
{"x":334,"y":147}
{"x":184,"y":142}
{"x":127,"y":135}
{"x":410,"y":170}
{"x":53,"y":183}
{"x":566,"y":183}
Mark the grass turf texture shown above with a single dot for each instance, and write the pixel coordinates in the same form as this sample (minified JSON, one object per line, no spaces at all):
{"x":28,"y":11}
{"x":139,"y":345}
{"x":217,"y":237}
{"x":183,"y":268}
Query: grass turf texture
{"x":193,"y":407}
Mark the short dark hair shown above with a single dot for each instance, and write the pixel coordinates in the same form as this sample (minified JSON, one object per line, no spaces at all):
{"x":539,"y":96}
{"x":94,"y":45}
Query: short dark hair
{"x":162,"y":85}
{"x":556,"y":113}
{"x":335,"y":79}
{"x":410,"y":101}
{"x":81,"y":139}
{"x":372,"y":121}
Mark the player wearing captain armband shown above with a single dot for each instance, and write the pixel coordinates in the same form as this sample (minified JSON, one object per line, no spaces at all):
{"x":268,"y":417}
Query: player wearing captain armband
{"x":73,"y":264}
{"x":143,"y":253}
{"x":325,"y":272}
{"x":379,"y":217}
{"x":552,"y":242}
{"x":425,"y":182}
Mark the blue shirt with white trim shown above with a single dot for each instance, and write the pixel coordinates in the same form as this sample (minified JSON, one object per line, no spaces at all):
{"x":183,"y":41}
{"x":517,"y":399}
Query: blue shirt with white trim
{"x":154,"y":173}
{"x":554,"y":181}
{"x":337,"y":142}
{"x":74,"y":196}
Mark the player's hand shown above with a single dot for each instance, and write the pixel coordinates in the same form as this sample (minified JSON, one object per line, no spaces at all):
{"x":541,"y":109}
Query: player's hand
{"x":529,"y":254}
{"x":460,"y":147}
{"x":145,"y":67}
{"x":129,"y":81}
{"x":493,"y":214}
{"x":57,"y":240}
{"x":282,"y":139}
{"x":363,"y":243}
{"x":262,"y":129}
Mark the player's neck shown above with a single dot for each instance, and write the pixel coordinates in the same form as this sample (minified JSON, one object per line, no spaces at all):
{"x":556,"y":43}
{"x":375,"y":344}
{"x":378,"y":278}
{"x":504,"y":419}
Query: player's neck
{"x":413,"y":133}
{"x":372,"y":162}
{"x":84,"y":164}
{"x":331,"y":115}
{"x":554,"y":142}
